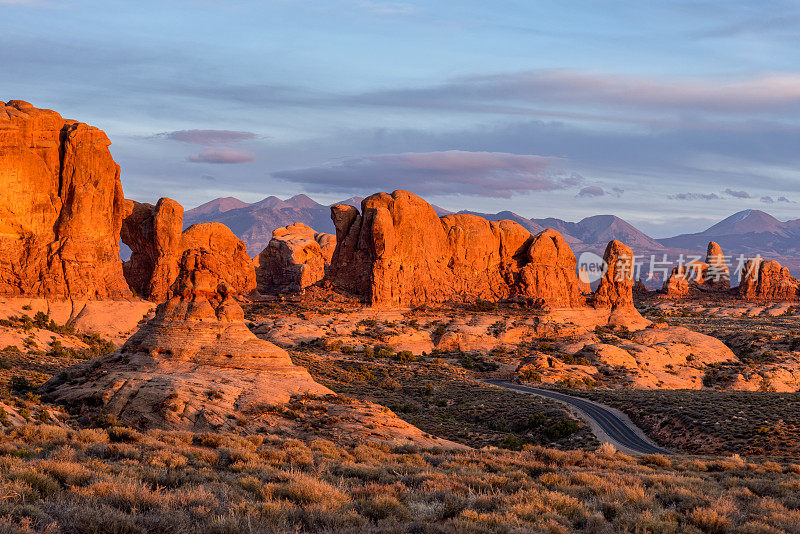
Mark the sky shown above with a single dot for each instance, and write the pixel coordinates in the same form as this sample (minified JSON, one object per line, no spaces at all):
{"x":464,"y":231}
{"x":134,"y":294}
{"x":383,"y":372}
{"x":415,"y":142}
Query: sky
{"x":671,"y":115}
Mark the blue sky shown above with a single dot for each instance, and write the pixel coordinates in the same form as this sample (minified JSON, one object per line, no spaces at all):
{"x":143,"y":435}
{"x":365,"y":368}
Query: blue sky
{"x":670,"y":114}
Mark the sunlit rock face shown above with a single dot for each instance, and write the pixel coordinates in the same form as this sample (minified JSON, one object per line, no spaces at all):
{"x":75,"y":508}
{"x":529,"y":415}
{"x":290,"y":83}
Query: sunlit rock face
{"x":763,"y":280}
{"x":157,"y":245}
{"x":61,"y":207}
{"x":295,"y":258}
{"x":398,"y":252}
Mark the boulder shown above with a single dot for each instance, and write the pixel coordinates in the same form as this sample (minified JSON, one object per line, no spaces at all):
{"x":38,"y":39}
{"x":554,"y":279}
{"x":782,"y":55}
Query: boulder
{"x":194,"y":366}
{"x":61,"y":209}
{"x":399,"y":252}
{"x":297,"y":257}
{"x":157,"y":245}
{"x":767,"y":281}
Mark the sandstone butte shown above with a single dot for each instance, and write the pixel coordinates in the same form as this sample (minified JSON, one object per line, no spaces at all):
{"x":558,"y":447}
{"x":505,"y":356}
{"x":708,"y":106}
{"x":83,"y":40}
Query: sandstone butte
{"x":61,"y":209}
{"x":158,"y":245}
{"x":696,"y":277}
{"x":295,"y":258}
{"x":192,"y":366}
{"x":398,"y":252}
{"x":767,"y":281}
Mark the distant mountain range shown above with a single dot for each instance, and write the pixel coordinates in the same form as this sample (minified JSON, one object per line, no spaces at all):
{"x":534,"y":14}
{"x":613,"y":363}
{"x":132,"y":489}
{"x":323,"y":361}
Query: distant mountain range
{"x":748,"y":232}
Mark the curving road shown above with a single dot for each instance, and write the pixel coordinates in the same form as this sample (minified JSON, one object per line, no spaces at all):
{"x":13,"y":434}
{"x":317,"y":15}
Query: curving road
{"x":621,"y":433}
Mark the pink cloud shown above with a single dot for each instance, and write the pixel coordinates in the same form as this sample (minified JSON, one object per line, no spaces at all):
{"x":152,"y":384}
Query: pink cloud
{"x":222,"y":155}
{"x":208,"y":137}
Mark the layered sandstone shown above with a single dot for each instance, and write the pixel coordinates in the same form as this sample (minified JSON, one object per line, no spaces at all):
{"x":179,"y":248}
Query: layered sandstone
{"x":398,"y":252}
{"x":767,"y":281}
{"x":157,"y":245}
{"x":61,"y":209}
{"x":195,"y":365}
{"x":295,"y":258}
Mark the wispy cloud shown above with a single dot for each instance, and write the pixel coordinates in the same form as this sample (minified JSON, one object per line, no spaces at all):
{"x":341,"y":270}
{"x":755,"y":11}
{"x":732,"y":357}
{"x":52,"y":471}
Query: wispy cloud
{"x":492,"y":174}
{"x":591,"y":191}
{"x":694,"y":196}
{"x":207,"y":137}
{"x":222,"y":155}
{"x":737,"y":194}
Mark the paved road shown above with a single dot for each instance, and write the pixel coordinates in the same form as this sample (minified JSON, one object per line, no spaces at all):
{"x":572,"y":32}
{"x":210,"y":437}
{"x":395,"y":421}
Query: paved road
{"x":622,"y":432}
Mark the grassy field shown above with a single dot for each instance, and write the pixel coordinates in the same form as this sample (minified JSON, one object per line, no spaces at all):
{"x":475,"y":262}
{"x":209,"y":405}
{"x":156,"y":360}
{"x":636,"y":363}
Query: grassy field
{"x":121,"y":481}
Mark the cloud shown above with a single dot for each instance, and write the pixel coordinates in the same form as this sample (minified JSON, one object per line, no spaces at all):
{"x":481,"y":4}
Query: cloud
{"x":617,"y":191}
{"x":208,"y":137}
{"x":784,"y":199}
{"x":491,"y":174}
{"x":761,"y":93}
{"x":737,"y":194}
{"x":694,"y":196}
{"x":591,"y":191}
{"x":767,"y":200}
{"x":222,"y":156}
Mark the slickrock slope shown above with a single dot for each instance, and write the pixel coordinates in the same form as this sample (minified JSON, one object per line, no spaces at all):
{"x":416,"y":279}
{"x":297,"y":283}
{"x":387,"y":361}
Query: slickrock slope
{"x":399,"y":252}
{"x":61,"y":208}
{"x":193,"y":366}
{"x":767,"y":281}
{"x":196,"y":366}
{"x":296,"y":257}
{"x":154,"y":235}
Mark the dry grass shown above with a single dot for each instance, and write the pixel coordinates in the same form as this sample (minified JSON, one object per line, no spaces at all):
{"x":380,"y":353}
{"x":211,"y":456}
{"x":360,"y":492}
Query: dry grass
{"x":59,"y":480}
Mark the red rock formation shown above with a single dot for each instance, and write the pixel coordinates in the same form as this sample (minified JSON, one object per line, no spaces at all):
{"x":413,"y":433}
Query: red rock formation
{"x":399,"y":252}
{"x":296,"y":257}
{"x":640,"y":288}
{"x":616,"y":286}
{"x":697,"y":277}
{"x":717,"y":276}
{"x":195,"y":365}
{"x":154,"y":235}
{"x":767,"y":281}
{"x":61,"y":208}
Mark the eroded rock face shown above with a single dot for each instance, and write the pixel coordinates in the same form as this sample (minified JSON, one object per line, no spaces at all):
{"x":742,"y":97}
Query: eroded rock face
{"x":398,"y":252}
{"x":767,"y":281}
{"x":296,"y":258}
{"x":154,"y":235}
{"x":195,"y":365}
{"x":61,"y":208}
{"x":616,"y":286}
{"x":718,"y":275}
